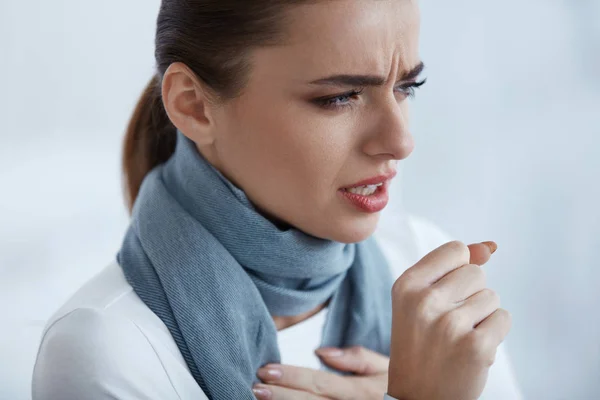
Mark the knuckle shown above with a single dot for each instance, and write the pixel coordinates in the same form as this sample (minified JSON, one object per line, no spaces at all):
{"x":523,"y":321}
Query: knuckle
{"x":473,"y":269}
{"x":402,"y":286}
{"x":361,"y":363}
{"x":460,"y":249}
{"x":320,"y":383}
{"x":452,"y":323}
{"x":478,"y":342}
{"x":490,"y":358}
{"x":364,"y":368}
{"x":475,"y":274}
{"x":481,"y":348}
{"x":488,"y":294}
{"x":399,"y":287}
{"x":429,"y":304}
{"x":433,"y":297}
{"x":357,"y":351}
{"x":506,"y":318}
{"x":491,"y":297}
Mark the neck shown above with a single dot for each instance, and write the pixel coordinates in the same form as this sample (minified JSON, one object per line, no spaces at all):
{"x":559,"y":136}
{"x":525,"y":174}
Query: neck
{"x":282,"y":323}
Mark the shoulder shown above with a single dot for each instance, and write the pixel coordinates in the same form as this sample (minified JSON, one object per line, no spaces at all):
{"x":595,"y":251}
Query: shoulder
{"x":102,"y":344}
{"x":92,"y":353}
{"x":106,"y":290}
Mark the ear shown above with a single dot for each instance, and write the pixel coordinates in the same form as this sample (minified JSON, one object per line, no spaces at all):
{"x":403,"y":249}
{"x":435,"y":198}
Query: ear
{"x":187,"y":104}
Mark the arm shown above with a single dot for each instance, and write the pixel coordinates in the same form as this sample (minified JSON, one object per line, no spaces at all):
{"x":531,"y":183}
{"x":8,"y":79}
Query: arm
{"x":90,"y":354}
{"x":501,"y":383}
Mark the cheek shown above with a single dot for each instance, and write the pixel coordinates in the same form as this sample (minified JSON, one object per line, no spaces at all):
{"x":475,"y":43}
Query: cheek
{"x":295,"y":149}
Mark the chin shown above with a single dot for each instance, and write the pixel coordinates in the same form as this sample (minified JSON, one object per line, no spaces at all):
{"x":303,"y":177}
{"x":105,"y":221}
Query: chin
{"x":352,"y":229}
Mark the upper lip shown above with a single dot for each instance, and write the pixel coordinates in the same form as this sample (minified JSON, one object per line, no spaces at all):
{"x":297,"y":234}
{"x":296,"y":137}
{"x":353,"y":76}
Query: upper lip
{"x":374,"y":180}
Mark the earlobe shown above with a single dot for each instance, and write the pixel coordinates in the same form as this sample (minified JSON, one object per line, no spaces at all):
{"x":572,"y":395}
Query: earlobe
{"x":187,"y":104}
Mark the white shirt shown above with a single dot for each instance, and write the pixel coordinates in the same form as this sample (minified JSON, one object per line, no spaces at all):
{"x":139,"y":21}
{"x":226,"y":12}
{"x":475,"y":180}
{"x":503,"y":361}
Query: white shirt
{"x":105,"y":343}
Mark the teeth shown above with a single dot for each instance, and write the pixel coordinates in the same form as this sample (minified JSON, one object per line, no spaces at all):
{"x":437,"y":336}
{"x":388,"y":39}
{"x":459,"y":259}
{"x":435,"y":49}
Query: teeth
{"x":366,"y":190}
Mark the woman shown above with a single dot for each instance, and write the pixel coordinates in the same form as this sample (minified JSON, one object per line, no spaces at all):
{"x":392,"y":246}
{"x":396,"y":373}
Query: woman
{"x":266,"y":144}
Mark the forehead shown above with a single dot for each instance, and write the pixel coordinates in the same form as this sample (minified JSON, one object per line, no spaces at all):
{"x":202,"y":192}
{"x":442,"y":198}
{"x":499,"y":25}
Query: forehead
{"x":352,"y":36}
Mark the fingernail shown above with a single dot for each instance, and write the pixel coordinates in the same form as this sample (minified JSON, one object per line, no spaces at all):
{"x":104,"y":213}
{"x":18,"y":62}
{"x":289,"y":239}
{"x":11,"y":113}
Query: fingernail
{"x":270,"y":374}
{"x":262,"y":393}
{"x":492,"y":245}
{"x":329,"y":352}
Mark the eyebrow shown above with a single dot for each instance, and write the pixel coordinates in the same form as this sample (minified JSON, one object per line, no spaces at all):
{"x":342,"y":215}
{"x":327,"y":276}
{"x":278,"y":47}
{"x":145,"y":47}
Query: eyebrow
{"x":367,"y":80}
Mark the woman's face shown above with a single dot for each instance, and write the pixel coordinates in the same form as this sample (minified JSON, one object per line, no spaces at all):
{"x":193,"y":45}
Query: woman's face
{"x":298,"y":137}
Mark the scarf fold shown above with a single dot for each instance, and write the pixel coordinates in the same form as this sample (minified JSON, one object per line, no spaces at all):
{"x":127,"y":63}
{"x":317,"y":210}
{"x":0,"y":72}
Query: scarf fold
{"x":214,"y":270}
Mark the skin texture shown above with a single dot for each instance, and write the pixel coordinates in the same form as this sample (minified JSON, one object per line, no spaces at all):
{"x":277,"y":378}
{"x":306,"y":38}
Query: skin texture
{"x":446,"y":329}
{"x":291,"y":155}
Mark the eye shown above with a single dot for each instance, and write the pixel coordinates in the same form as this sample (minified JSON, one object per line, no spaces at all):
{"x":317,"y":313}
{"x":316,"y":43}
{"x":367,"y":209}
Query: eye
{"x":340,"y":100}
{"x":409,"y":89}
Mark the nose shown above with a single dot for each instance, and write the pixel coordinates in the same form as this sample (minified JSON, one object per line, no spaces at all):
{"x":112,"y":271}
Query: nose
{"x":390,"y":137}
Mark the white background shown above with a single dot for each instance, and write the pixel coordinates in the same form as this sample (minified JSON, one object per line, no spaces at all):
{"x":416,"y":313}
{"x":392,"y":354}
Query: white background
{"x":508,"y":149}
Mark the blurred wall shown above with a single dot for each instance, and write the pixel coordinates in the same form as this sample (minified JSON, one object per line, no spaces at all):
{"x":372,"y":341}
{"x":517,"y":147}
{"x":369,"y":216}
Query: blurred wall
{"x":508,"y":149}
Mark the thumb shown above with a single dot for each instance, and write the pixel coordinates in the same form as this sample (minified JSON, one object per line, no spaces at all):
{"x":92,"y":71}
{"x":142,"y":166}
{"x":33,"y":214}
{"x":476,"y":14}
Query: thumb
{"x":481,"y":252}
{"x":355,"y":359}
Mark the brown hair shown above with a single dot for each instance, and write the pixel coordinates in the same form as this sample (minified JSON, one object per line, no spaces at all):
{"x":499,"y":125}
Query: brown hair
{"x":212,"y":38}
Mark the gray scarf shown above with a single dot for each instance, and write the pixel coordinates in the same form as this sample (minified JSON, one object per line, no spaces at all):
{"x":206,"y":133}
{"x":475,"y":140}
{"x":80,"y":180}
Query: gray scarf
{"x":214,"y":270}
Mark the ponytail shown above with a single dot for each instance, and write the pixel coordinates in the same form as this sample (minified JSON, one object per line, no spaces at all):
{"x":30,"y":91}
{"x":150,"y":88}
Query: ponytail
{"x":149,"y":141}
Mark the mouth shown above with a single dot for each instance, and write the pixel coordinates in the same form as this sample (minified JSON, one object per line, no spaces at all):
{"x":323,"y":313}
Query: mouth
{"x":369,"y":195}
{"x":364,"y":190}
{"x":369,"y":186}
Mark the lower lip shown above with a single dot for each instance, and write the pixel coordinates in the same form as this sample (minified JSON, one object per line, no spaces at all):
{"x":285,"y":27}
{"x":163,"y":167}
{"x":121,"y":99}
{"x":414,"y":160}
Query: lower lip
{"x":369,"y":204}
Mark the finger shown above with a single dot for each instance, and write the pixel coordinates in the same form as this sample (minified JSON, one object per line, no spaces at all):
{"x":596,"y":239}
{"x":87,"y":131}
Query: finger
{"x":321,"y":383}
{"x":496,"y":326}
{"x":480,"y":306}
{"x":481,"y":252}
{"x":355,"y":359}
{"x":461,"y":283}
{"x":438,"y":263}
{"x":271,"y":392}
